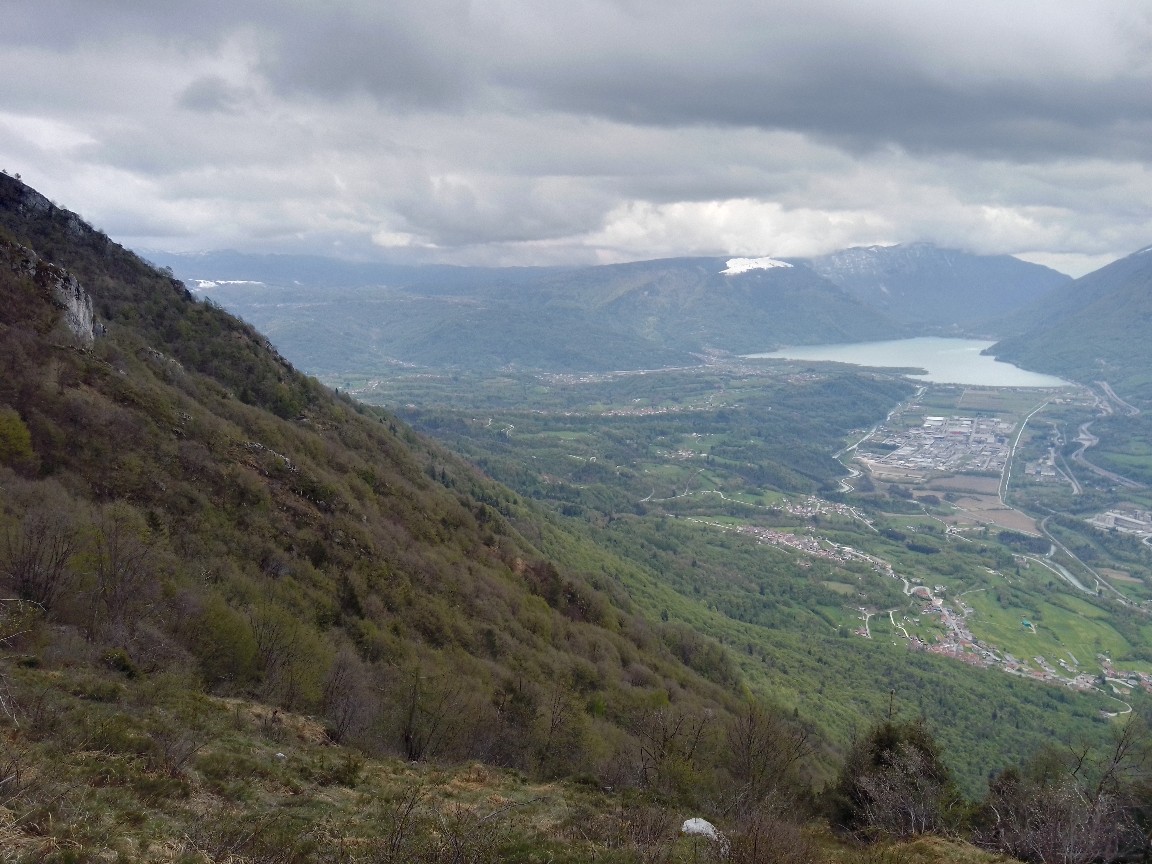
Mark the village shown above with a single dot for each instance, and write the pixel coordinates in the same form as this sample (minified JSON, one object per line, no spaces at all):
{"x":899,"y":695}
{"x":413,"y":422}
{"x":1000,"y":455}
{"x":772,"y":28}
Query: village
{"x":955,"y":640}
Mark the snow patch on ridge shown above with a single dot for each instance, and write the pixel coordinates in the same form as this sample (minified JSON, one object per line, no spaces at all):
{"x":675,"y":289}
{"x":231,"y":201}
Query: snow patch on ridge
{"x":205,"y":284}
{"x":743,"y":265}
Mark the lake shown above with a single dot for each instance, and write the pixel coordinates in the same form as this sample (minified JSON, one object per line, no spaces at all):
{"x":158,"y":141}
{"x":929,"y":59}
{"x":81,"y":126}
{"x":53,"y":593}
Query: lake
{"x":947,"y":361}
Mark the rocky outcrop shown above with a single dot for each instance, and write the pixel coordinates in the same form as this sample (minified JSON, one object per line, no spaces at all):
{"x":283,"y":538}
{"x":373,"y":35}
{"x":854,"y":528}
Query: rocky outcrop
{"x":59,"y":286}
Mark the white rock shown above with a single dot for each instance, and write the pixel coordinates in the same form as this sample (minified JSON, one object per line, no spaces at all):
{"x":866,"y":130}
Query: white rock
{"x":697,"y":827}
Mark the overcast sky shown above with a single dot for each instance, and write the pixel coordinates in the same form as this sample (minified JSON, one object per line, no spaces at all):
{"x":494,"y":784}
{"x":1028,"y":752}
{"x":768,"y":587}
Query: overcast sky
{"x":536,"y":131}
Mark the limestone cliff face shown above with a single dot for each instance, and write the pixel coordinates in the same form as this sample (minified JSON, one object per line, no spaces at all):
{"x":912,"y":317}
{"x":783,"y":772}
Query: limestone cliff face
{"x":59,"y":286}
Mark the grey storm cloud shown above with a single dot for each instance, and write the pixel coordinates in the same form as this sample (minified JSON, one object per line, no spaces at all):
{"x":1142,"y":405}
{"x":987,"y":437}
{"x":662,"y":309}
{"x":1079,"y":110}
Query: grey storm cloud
{"x":919,"y":75}
{"x":415,"y":54}
{"x":209,"y":94}
{"x":489,"y":129}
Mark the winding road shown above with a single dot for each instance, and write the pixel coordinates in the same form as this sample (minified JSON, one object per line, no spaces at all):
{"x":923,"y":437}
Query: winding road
{"x":1086,"y":439}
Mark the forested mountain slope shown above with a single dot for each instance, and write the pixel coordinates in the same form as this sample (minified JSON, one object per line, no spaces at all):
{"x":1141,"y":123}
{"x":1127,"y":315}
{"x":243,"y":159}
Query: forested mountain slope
{"x":925,"y":286}
{"x":177,"y":500}
{"x":1098,"y":327}
{"x":217,"y":578}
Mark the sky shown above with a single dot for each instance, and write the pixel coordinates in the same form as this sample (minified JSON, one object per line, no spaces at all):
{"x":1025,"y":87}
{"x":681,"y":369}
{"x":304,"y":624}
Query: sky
{"x":543,"y":132}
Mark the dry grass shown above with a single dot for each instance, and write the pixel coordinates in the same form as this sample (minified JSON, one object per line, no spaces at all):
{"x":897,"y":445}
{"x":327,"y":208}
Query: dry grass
{"x":923,"y":850}
{"x":987,"y":510}
{"x":1119,"y":575}
{"x":966,"y":483}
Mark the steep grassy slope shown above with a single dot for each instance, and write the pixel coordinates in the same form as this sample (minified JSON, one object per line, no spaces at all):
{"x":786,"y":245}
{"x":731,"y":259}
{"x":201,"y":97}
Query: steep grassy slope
{"x":178,"y":501}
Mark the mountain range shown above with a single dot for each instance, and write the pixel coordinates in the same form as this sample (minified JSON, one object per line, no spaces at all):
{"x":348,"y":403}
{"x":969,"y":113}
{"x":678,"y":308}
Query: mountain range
{"x":334,"y":317}
{"x":937,"y":290}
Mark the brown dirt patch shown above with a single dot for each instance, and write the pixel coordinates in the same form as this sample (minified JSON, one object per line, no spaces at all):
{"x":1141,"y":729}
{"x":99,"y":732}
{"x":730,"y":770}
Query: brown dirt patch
{"x":1119,"y":575}
{"x":296,"y":725}
{"x":965,"y":483}
{"x":886,"y":474}
{"x":987,"y":510}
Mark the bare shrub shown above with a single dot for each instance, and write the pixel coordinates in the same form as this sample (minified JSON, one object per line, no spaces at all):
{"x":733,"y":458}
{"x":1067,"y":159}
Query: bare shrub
{"x":764,"y":753}
{"x":405,"y":829}
{"x":894,"y":784}
{"x":38,"y":555}
{"x":347,"y":696}
{"x":1068,"y":807}
{"x":122,"y":557}
{"x":765,"y":839}
{"x":669,"y":740}
{"x":906,"y":798}
{"x":175,"y":747}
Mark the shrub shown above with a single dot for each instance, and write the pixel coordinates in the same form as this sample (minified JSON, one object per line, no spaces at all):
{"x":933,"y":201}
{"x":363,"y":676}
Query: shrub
{"x":894,"y":783}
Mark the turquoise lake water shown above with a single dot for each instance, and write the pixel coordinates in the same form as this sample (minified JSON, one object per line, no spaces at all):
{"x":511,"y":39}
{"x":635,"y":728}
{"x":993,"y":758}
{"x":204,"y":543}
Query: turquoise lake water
{"x":946,"y":361}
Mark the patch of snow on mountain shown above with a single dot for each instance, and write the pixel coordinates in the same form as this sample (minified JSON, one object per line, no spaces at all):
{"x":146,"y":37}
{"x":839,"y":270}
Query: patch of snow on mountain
{"x":205,"y":284}
{"x":743,"y":265}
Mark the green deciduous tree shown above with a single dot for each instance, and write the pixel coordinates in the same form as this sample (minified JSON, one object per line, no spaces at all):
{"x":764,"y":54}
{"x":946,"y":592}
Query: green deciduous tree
{"x":15,"y":441}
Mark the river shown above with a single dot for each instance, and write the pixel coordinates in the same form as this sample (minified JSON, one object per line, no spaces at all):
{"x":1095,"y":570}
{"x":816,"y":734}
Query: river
{"x":944,"y":361}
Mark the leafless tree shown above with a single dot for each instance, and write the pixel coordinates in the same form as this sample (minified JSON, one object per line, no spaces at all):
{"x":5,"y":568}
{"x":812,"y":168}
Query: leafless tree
{"x":122,"y":569}
{"x":1068,"y":807}
{"x":347,"y":695}
{"x":289,"y":654}
{"x":433,"y":710}
{"x":894,"y":783}
{"x":764,"y":752}
{"x":560,"y":732}
{"x":37,"y":562}
{"x":669,"y":739}
{"x":905,"y":798}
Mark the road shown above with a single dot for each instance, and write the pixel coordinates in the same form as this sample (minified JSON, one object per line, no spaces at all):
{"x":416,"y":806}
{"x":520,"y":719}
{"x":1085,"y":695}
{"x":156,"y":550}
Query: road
{"x":1012,"y":452}
{"x":1086,"y":439}
{"x":1130,"y":410}
{"x":1061,"y":571}
{"x":895,"y":625}
{"x":853,"y":473}
{"x":1065,"y":472}
{"x":1101,"y":582}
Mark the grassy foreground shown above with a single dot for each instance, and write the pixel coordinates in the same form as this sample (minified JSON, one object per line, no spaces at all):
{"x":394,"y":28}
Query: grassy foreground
{"x":99,"y":766}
